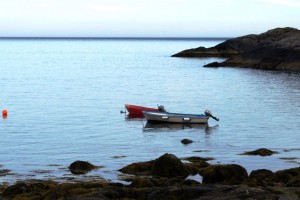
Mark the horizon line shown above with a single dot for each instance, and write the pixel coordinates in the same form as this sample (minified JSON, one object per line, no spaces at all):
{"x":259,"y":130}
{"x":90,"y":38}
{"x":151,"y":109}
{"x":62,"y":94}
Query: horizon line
{"x":112,"y":38}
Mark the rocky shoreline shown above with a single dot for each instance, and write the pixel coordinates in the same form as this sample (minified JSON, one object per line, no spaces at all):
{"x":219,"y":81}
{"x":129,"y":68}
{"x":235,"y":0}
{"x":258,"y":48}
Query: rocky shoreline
{"x":276,"y":49}
{"x":167,"y":178}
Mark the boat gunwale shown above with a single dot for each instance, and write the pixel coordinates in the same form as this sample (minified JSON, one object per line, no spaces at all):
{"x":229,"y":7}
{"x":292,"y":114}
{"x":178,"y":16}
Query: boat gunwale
{"x":158,"y":113}
{"x":170,"y":122}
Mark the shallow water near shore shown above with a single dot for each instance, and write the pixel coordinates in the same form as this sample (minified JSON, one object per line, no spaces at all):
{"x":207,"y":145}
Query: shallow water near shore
{"x":64,"y":99}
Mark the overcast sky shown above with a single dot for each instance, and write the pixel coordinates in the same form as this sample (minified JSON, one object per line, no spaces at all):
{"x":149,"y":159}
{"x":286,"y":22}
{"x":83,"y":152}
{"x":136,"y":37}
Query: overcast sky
{"x":145,"y":18}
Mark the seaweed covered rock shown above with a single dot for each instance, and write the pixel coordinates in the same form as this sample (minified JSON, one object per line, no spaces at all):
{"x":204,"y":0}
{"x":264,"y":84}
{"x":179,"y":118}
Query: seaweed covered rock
{"x":261,"y":173}
{"x":260,"y":152}
{"x":175,"y":189}
{"x":290,"y":177}
{"x":108,"y":191}
{"x":261,"y":177}
{"x":264,"y":177}
{"x":141,"y":168}
{"x":197,"y":159}
{"x":141,"y":183}
{"x":81,"y":167}
{"x":4,"y":172}
{"x":18,"y":188}
{"x":168,"y":165}
{"x":196,"y":164}
{"x":224,"y":174}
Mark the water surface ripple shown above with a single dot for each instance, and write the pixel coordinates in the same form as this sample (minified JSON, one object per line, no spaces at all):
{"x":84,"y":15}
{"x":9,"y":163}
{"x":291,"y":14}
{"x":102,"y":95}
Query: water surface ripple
{"x":64,"y":99}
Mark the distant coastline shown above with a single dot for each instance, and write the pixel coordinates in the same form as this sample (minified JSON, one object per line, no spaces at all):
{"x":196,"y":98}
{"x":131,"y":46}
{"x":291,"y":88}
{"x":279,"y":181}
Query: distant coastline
{"x":276,"y":49}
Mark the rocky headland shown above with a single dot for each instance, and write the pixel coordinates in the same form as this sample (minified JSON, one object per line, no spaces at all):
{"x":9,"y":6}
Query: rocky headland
{"x":167,"y":177}
{"x":276,"y":49}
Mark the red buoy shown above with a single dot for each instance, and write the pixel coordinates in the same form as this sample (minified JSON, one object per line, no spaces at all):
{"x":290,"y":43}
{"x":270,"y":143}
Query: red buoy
{"x":4,"y":113}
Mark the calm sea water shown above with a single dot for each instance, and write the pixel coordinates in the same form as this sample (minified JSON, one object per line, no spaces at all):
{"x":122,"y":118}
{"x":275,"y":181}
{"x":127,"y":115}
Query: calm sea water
{"x":64,"y":99}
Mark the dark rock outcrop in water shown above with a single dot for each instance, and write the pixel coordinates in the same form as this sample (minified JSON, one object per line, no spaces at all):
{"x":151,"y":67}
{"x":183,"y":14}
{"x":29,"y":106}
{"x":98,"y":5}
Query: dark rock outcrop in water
{"x":277,"y":49}
{"x":186,"y":141}
{"x":81,"y":167}
{"x":260,"y":152}
{"x":168,"y":165}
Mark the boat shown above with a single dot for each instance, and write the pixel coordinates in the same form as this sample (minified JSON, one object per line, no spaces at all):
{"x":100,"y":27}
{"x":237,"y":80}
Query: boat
{"x":136,"y":111}
{"x":166,"y":117}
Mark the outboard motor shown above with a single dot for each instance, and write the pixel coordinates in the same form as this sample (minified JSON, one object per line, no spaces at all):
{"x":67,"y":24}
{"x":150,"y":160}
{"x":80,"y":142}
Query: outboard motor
{"x":208,"y":114}
{"x":161,"y":108}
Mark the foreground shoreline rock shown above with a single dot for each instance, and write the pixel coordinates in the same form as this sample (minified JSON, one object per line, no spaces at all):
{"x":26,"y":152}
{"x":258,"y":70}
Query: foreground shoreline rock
{"x":276,"y":49}
{"x":105,"y":191}
{"x":166,"y":178}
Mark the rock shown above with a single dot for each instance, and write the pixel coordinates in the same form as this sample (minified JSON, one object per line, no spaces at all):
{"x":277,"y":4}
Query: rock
{"x":260,"y":152}
{"x":186,"y":141}
{"x":179,"y":190}
{"x":261,"y":177}
{"x":190,"y":182}
{"x":213,"y":64}
{"x":4,"y":172}
{"x":276,"y":49}
{"x":159,"y":181}
{"x":264,"y":177}
{"x":212,"y":192}
{"x":224,"y":174}
{"x":295,"y":182}
{"x":196,"y":159}
{"x":195,"y":168}
{"x":168,"y":165}
{"x":197,"y":164}
{"x":290,"y":176}
{"x":178,"y":193}
{"x":141,"y":168}
{"x":222,"y":52}
{"x":261,"y":173}
{"x":165,"y":165}
{"x":19,"y":188}
{"x":81,"y":167}
{"x":141,"y":183}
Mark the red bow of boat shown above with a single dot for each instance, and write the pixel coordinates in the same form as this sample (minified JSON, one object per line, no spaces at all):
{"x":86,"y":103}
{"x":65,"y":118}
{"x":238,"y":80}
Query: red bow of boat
{"x":136,"y":111}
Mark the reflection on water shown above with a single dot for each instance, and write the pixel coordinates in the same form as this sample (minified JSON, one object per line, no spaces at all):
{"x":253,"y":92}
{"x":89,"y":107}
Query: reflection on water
{"x":211,"y":129}
{"x":167,"y":127}
{"x":134,"y":117}
{"x":149,"y":125}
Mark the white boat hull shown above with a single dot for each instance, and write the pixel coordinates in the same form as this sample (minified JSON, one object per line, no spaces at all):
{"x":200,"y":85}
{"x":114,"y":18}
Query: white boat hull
{"x":165,"y":117}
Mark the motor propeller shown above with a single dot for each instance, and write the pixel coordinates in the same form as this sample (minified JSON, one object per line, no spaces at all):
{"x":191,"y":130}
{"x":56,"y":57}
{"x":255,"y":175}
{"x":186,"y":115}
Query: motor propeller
{"x":209,"y":114}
